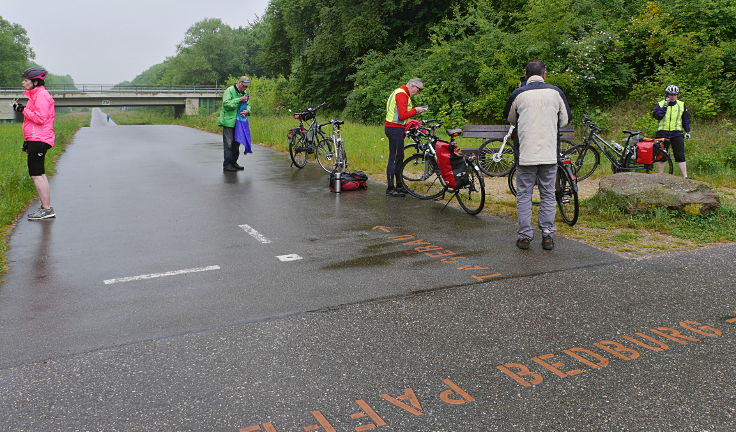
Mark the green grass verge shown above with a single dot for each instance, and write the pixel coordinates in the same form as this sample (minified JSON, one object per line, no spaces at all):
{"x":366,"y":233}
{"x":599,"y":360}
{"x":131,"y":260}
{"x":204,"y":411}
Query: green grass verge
{"x":16,"y":187}
{"x":718,"y":226}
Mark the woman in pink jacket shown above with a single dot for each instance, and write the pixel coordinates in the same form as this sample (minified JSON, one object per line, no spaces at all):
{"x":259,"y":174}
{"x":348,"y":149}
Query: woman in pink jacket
{"x":38,"y":135}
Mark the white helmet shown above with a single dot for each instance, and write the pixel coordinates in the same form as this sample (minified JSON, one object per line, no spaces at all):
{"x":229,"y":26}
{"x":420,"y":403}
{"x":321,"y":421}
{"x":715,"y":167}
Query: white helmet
{"x":672,"y":89}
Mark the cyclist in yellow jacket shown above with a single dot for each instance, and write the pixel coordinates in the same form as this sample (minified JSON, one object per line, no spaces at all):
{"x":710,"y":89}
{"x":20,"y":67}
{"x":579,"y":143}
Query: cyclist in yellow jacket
{"x":674,"y":123}
{"x":398,"y":110}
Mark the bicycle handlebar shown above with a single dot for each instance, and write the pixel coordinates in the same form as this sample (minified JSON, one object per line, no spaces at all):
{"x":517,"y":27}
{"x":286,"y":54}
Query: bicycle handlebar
{"x":311,"y":110}
{"x":587,"y":121}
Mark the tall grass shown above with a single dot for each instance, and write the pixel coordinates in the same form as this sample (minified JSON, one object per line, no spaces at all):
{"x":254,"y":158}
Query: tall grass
{"x":16,"y":187}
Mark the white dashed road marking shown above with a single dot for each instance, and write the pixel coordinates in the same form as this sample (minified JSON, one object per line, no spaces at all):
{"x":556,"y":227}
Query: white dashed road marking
{"x":255,"y":234}
{"x":158,"y":275}
{"x":261,"y":238}
{"x":290,"y":257}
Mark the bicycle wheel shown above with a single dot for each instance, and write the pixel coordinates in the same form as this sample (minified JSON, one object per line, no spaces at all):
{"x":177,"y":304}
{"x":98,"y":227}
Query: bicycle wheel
{"x":324,"y":154}
{"x":298,"y":150}
{"x":566,"y":194}
{"x":566,"y":145}
{"x":512,"y":180}
{"x":585,"y":160}
{"x":420,"y":177}
{"x":662,"y":156}
{"x":472,"y":197}
{"x":494,"y":162}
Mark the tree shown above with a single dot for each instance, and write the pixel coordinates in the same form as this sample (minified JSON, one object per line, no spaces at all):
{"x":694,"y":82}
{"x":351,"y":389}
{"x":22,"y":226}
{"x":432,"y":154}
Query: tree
{"x":15,"y":52}
{"x":207,"y":54}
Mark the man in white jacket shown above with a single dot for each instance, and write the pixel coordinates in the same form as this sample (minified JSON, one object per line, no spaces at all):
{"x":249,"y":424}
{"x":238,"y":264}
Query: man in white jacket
{"x":538,"y":110}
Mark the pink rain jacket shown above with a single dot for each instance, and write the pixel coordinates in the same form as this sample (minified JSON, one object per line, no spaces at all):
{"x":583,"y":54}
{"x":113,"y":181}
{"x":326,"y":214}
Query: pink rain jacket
{"x":39,"y":115}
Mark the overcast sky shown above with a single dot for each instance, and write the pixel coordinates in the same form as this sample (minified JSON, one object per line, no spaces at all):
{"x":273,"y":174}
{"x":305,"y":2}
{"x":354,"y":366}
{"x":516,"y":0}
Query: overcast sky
{"x":110,"y":41}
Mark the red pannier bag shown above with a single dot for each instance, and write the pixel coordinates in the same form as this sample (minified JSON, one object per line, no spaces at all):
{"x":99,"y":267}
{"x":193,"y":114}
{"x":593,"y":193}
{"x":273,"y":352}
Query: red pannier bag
{"x":645,"y":152}
{"x":453,"y":168}
{"x":349,"y":181}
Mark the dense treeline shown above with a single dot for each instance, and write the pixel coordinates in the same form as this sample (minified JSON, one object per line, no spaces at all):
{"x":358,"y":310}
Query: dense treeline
{"x":469,"y":53}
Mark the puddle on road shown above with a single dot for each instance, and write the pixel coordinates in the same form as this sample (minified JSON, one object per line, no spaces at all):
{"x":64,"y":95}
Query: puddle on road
{"x":365,"y":261}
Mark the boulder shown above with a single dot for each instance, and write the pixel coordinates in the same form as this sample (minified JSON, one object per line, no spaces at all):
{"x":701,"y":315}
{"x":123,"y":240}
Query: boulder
{"x":637,"y":192}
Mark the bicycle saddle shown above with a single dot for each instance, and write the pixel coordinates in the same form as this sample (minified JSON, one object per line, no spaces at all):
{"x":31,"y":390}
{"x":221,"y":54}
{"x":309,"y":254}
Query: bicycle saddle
{"x":454,"y":132}
{"x":631,"y":132}
{"x":338,"y":122}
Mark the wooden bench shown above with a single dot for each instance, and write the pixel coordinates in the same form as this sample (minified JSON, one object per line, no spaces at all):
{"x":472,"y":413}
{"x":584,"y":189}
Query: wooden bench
{"x":497,"y":132}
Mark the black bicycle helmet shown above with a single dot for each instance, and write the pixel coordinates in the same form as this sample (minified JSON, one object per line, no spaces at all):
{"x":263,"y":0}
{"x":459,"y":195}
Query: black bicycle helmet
{"x":672,"y":89}
{"x":35,"y":73}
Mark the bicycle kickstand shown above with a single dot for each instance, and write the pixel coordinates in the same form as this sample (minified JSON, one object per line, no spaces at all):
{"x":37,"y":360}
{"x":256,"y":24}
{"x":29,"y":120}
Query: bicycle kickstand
{"x":454,"y":195}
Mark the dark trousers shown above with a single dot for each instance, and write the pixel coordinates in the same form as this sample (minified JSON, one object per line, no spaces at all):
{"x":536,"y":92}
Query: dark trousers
{"x":395,"y":137}
{"x":677,"y":142}
{"x":230,"y":146}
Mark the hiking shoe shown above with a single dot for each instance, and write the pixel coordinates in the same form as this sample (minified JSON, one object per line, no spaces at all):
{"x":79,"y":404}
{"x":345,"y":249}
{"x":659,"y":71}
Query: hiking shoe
{"x":523,"y":243}
{"x":42,"y":213}
{"x":397,"y":193}
{"x":548,"y":243}
{"x":238,"y":167}
{"x":394,"y":192}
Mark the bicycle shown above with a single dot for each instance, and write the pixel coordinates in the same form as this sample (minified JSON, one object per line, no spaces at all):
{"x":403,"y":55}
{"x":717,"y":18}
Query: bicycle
{"x":496,"y":157}
{"x":566,"y":189}
{"x":310,"y":140}
{"x":586,"y":156}
{"x":421,"y":176}
{"x":335,"y":141}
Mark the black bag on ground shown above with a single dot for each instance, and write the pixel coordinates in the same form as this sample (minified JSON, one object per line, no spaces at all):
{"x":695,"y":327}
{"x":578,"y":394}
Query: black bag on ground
{"x":350,"y":181}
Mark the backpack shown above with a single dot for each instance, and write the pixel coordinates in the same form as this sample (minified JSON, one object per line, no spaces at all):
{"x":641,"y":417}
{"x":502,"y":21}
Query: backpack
{"x":349,"y":181}
{"x":453,"y":167}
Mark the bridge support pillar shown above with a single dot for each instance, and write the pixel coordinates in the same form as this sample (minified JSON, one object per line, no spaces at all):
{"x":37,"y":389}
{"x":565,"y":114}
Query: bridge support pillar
{"x":191,"y":106}
{"x":6,"y":111}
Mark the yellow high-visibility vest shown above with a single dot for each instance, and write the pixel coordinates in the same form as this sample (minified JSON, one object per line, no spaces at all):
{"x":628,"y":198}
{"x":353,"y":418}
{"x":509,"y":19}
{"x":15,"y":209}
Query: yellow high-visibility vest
{"x":392,"y":114}
{"x":672,"y":120}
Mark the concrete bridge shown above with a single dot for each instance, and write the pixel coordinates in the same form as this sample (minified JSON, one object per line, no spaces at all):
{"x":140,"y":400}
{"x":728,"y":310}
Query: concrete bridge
{"x":185,"y":100}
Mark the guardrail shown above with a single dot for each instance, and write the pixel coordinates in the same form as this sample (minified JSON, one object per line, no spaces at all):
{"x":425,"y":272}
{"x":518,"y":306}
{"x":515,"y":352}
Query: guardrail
{"x":124,"y":88}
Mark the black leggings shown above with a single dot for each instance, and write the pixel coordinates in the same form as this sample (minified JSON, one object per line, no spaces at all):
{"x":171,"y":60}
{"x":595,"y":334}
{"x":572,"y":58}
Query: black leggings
{"x":395,"y":155}
{"x":678,"y":146}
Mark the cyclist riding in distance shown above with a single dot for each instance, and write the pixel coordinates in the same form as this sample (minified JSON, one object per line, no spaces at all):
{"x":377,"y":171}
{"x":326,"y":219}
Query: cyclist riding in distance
{"x":398,"y":110}
{"x":674,"y":123}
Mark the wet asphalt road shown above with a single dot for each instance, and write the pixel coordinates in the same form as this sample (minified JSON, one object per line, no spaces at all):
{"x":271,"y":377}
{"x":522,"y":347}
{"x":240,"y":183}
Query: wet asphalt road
{"x":390,"y":312}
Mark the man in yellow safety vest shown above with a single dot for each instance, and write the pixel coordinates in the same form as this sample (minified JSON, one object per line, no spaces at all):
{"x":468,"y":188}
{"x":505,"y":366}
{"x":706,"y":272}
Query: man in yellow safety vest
{"x":398,"y":110}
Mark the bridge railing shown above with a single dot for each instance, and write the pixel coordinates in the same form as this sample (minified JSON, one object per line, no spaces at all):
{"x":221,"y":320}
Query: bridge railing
{"x":120,"y":88}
